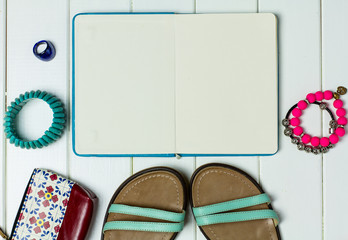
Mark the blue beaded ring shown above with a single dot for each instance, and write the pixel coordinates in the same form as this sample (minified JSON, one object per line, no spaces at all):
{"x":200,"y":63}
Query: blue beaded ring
{"x":46,"y":55}
{"x":51,"y":135}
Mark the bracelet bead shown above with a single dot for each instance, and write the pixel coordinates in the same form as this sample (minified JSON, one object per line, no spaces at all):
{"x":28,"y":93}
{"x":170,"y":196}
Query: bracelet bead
{"x":298,"y":130}
{"x":316,"y":151}
{"x":341,"y":112}
{"x":306,"y":138}
{"x":295,"y":140}
{"x":333,"y":124}
{"x":311,"y":97}
{"x":331,"y":130}
{"x":302,"y":105}
{"x":324,"y":149}
{"x":297,"y":112}
{"x":342,"y":121}
{"x":322,"y":106}
{"x":338,"y":103}
{"x":295,"y":122}
{"x":341,"y":90}
{"x":324,"y":141}
{"x":340,"y":131}
{"x":308,"y":149}
{"x":319,"y":95}
{"x":334,"y":138}
{"x":288,"y":132}
{"x":328,"y":95}
{"x":286,"y":122}
{"x":301,"y":146}
{"x":315,"y":141}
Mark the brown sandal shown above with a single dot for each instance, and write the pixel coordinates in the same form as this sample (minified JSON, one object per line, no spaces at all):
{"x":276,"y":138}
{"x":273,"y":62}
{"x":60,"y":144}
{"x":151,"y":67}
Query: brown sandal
{"x":150,"y":205}
{"x":229,"y":204}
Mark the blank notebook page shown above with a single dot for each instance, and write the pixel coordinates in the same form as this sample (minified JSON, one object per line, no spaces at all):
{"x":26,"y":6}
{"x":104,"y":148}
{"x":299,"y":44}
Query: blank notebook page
{"x":124,"y":84}
{"x":226,"y":84}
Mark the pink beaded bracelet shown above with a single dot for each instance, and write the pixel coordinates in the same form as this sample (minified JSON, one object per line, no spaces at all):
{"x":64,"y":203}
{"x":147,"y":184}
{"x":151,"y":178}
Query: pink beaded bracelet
{"x":306,"y":142}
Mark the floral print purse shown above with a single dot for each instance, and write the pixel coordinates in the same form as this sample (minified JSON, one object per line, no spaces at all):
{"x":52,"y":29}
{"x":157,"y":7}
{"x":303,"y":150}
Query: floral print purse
{"x":53,"y":208}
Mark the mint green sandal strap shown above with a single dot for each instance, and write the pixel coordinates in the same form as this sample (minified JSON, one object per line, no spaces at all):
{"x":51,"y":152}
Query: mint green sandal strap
{"x":177,"y":219}
{"x":237,"y":217}
{"x":148,"y":212}
{"x":144,"y":226}
{"x":231,"y":205}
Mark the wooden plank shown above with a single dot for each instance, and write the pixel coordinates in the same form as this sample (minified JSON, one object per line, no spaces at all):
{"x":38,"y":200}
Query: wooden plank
{"x":247,"y":164}
{"x":2,"y":107}
{"x":335,"y":54}
{"x":178,"y":6}
{"x":292,"y":178}
{"x":228,"y":6}
{"x":79,"y":6}
{"x":27,"y":23}
{"x":101,"y":175}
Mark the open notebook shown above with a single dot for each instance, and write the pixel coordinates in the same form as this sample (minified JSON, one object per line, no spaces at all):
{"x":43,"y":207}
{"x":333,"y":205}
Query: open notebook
{"x":161,"y":84}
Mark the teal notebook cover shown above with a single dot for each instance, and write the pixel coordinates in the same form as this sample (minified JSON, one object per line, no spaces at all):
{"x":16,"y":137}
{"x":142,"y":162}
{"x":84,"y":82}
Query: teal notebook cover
{"x":162,"y":84}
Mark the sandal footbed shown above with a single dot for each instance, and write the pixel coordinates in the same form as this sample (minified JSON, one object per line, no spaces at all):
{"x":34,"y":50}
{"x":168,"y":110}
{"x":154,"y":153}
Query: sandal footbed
{"x":216,"y":183}
{"x":160,"y":188}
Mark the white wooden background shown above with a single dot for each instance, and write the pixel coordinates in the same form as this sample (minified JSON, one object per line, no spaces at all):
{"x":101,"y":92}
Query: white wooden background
{"x":309,"y":192}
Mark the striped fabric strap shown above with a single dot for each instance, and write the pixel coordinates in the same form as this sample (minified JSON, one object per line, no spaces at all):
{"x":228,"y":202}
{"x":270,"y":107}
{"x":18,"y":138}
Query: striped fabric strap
{"x":176,"y":219}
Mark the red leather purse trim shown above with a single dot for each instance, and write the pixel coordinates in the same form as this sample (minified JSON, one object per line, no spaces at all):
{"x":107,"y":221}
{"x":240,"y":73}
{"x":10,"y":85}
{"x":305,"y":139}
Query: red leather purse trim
{"x":78,"y":214}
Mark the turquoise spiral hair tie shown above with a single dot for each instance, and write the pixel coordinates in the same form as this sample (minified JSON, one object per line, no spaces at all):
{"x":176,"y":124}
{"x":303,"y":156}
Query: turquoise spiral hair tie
{"x":51,"y":135}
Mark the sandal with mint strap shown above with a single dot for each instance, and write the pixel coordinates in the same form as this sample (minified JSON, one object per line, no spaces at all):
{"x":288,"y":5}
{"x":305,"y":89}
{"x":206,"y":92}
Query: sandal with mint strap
{"x":229,"y":204}
{"x":149,"y":205}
